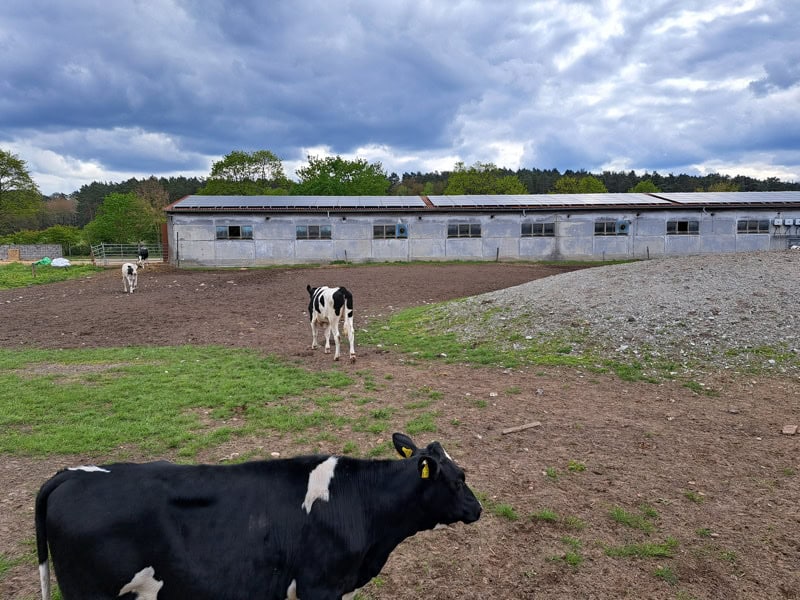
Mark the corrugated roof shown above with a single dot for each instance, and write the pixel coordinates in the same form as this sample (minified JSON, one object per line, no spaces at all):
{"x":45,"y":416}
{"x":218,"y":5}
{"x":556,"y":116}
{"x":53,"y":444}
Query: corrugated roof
{"x":482,"y":202}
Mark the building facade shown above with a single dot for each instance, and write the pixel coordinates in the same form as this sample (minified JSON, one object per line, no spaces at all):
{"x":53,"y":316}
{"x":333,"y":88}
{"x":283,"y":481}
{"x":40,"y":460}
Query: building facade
{"x":236,"y":231}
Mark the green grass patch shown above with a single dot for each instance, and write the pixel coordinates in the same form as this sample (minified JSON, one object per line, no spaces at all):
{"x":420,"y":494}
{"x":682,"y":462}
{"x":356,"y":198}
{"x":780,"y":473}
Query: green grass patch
{"x":666,"y":574}
{"x":634,"y":521}
{"x":155,"y":399}
{"x":647,"y":550}
{"x":16,"y":275}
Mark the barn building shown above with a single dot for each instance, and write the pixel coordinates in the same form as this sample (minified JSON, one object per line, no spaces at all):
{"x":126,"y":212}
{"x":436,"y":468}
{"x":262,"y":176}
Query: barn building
{"x":235,"y":231}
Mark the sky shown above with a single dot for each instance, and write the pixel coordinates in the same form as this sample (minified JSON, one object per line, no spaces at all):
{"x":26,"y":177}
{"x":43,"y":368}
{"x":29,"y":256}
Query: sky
{"x":106,"y":90}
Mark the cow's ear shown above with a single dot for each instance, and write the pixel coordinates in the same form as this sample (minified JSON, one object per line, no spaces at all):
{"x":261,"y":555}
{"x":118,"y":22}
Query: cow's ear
{"x":404,"y":446}
{"x":428,"y":468}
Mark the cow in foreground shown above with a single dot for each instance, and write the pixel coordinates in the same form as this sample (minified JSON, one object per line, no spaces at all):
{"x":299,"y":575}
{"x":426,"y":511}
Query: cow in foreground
{"x":309,"y":528}
{"x":326,"y":307}
{"x":130,"y":277}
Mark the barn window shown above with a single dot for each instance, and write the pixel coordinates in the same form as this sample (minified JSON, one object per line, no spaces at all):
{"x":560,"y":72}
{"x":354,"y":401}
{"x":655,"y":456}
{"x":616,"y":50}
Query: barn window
{"x":384,"y":232}
{"x":752,"y":226}
{"x":607,"y":228}
{"x":464,"y":230}
{"x":313,"y":232}
{"x":683,"y":227}
{"x":234,"y":232}
{"x":538,"y":229}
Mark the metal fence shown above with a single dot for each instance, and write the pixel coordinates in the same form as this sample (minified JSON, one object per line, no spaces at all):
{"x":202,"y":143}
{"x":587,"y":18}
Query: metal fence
{"x":108,"y":254}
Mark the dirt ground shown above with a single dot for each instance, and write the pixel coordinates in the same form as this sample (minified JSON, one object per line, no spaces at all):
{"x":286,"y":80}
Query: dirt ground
{"x":710,"y":470}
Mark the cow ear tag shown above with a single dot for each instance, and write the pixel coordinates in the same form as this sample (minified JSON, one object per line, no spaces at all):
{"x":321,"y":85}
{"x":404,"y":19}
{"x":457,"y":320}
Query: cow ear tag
{"x":425,"y":473}
{"x":407,"y":451}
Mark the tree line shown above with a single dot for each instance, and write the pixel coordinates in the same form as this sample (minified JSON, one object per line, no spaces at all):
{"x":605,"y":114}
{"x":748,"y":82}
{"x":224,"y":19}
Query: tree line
{"x":132,"y":211}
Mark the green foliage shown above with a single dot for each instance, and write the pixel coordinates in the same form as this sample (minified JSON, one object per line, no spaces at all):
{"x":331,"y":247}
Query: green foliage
{"x":663,"y":550}
{"x":15,"y":275}
{"x":242,"y":173}
{"x":20,"y":200}
{"x":666,"y":574}
{"x":482,"y":178}
{"x":645,"y":186}
{"x":122,"y":219}
{"x":588,"y":184}
{"x":620,"y":515}
{"x":337,"y":176}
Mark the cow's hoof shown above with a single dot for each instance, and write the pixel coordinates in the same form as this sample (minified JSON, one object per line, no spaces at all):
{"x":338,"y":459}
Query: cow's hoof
{"x":335,"y":358}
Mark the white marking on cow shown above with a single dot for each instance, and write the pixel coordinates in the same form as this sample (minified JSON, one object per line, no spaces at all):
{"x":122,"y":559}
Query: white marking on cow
{"x":319,"y":481}
{"x":144,"y":585}
{"x":44,"y":579}
{"x":450,"y":458}
{"x":291,"y":592}
{"x":89,"y":469}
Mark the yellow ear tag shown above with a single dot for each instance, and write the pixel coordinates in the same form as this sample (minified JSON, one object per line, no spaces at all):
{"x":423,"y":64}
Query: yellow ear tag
{"x":407,"y":451}
{"x":426,"y":472}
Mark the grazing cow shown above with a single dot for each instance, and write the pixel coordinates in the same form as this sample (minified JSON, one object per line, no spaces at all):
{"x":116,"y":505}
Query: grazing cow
{"x":311,"y":527}
{"x":326,"y":307}
{"x":143,"y":254}
{"x":130,"y":277}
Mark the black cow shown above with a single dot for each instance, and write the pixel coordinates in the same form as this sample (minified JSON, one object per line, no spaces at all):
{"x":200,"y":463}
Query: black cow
{"x":143,"y":254}
{"x":326,"y":307}
{"x":312,"y":527}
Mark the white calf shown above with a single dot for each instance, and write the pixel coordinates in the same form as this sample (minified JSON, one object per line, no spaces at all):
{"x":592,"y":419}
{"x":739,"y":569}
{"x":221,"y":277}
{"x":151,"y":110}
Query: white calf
{"x":130,"y":277}
{"x":326,"y":307}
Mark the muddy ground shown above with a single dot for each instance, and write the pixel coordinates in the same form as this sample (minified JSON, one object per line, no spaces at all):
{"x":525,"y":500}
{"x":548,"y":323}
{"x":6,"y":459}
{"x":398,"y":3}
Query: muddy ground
{"x":711,"y":471}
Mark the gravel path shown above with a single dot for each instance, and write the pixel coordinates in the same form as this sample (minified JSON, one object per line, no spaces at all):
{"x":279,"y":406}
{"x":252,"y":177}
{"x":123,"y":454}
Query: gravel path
{"x":699,"y":312}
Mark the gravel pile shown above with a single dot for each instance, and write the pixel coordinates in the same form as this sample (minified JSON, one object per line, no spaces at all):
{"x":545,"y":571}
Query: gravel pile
{"x":698,"y":312}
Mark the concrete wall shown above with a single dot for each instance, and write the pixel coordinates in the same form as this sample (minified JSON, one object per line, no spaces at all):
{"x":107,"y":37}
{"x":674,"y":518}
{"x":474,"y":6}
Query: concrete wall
{"x":32,"y":252}
{"x":192,"y":238}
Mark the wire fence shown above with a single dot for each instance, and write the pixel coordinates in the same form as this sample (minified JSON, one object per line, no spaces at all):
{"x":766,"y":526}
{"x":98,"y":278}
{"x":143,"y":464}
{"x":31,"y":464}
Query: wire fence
{"x":109,"y":254}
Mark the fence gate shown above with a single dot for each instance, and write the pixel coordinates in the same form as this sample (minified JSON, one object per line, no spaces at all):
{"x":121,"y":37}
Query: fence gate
{"x":110,"y":254}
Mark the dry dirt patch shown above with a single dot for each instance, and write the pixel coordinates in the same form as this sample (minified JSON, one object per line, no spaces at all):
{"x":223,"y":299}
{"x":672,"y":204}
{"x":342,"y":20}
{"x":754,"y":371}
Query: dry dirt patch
{"x":716,"y":470}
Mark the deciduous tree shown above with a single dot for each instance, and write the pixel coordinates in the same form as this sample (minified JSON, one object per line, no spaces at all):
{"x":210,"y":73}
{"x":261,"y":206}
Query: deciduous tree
{"x":122,"y":219}
{"x":20,"y":200}
{"x":337,"y":176}
{"x":247,"y":174}
{"x":482,"y":178}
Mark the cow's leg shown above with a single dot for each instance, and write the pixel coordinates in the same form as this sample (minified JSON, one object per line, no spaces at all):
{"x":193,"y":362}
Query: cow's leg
{"x":335,"y":328}
{"x":351,"y":335}
{"x":326,"y":333}
{"x":314,"y":344}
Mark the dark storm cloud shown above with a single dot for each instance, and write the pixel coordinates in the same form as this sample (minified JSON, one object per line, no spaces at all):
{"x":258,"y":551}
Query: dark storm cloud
{"x":105,"y":90}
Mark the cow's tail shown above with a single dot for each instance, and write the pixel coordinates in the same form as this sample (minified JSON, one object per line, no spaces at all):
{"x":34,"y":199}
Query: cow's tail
{"x":42,"y":552}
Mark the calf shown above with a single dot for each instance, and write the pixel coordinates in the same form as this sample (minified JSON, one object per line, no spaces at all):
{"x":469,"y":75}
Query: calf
{"x":130,"y":277}
{"x":312,"y":527}
{"x":326,"y":307}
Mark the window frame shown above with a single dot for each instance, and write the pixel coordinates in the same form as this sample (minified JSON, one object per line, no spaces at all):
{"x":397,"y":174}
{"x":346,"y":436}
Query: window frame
{"x":389,"y":232}
{"x":536,"y":229}
{"x":313,"y":232}
{"x":226,"y":232}
{"x":460,"y":230}
{"x":749,"y":226}
{"x":609,"y":228}
{"x":683,"y":227}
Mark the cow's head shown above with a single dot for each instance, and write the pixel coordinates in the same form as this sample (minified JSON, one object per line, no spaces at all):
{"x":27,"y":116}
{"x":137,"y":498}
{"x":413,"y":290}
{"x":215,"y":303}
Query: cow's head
{"x":445,"y":495}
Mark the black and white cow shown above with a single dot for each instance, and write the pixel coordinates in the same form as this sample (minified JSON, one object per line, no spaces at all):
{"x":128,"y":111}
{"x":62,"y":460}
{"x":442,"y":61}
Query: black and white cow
{"x":309,"y":528}
{"x":326,"y":307}
{"x":130,"y":277}
{"x":143,"y":254}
